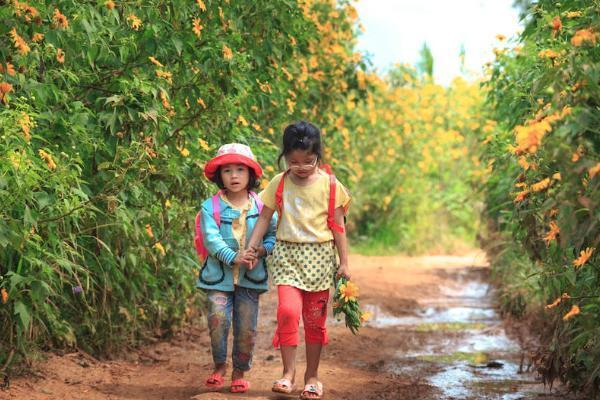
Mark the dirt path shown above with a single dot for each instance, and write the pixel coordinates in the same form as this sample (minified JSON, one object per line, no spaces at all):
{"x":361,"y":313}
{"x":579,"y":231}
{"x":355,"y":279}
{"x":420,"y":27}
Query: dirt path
{"x":434,"y":335}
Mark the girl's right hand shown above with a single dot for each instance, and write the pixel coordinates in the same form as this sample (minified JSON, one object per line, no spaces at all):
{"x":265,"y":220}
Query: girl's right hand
{"x":343,"y":270}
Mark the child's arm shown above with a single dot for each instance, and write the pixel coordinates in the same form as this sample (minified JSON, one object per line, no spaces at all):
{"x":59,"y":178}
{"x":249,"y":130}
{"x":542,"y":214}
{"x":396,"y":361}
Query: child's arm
{"x":261,"y":227}
{"x":214,"y":243}
{"x":269,"y":239}
{"x":341,"y":243}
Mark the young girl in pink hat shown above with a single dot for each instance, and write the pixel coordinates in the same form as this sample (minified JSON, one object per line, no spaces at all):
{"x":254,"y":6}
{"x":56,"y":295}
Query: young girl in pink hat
{"x":233,"y":288}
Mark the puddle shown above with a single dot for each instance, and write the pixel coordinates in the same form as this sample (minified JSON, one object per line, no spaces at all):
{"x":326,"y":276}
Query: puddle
{"x":431,"y":315}
{"x":473,"y":358}
{"x":472,"y":289}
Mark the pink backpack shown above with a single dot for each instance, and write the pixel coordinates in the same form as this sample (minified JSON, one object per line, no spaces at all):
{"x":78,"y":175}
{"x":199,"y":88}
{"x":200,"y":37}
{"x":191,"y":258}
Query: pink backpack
{"x":216,"y":203}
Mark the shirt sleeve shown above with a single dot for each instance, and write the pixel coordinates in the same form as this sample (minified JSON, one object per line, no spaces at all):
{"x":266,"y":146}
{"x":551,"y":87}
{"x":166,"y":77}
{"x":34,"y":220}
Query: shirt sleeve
{"x":342,"y":196}
{"x":267,"y":196}
{"x":213,"y":241}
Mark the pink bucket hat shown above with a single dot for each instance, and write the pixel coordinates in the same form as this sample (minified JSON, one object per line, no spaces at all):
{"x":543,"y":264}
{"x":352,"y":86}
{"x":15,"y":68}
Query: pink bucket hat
{"x":232,"y":153}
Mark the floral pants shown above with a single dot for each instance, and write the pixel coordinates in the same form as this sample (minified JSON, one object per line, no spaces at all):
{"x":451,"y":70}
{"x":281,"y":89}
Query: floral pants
{"x":241,"y":307}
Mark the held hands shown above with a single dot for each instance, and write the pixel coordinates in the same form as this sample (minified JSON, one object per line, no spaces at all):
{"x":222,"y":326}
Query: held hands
{"x":251,"y":255}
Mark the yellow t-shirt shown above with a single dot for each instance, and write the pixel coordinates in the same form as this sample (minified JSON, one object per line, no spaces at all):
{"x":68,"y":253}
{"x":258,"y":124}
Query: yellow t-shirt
{"x":304,"y":215}
{"x":238,"y":226}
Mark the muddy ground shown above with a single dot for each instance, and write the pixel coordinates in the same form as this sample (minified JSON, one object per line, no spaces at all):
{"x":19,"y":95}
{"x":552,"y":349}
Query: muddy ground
{"x":435,"y":334}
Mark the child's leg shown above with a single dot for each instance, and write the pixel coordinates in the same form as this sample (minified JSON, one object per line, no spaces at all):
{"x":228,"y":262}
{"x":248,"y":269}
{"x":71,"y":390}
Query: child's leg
{"x":219,"y":320}
{"x":288,"y":319}
{"x":314,"y":315}
{"x":245,"y":316}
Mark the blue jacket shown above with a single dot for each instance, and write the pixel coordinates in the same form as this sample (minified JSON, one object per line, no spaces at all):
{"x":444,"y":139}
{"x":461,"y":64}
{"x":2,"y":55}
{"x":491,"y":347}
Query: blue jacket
{"x":216,"y":273}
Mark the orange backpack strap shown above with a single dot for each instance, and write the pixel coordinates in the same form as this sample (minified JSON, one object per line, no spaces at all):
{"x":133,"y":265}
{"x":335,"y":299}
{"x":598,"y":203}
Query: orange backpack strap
{"x":279,"y":196}
{"x":331,"y":207}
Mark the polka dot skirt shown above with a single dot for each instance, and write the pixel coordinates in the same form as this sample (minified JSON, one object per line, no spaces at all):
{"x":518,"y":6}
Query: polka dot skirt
{"x":307,"y":266}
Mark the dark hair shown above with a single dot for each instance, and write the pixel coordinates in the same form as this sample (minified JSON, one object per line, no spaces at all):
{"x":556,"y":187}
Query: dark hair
{"x":252,"y":181}
{"x":301,"y":135}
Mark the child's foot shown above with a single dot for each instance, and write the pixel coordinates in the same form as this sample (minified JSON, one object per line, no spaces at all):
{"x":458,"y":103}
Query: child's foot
{"x":215,"y":380}
{"x":312,"y":391}
{"x":285,"y":384}
{"x":238,"y":383}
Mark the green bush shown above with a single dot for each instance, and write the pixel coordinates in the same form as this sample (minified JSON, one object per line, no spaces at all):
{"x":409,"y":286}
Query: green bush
{"x":543,"y":190}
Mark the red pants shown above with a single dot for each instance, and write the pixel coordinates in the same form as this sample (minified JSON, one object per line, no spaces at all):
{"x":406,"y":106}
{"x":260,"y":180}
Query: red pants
{"x":312,"y":305}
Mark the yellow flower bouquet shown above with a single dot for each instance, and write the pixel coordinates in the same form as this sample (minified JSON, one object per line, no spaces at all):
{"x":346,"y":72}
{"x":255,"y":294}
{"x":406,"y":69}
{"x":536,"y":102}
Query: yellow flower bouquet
{"x":345,"y":302}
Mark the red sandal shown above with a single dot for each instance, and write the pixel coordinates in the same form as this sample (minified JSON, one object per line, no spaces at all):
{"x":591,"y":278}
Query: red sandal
{"x":214,"y":381}
{"x":239,"y":386}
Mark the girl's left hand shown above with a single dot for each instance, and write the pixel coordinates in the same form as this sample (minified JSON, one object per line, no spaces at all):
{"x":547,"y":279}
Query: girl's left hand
{"x":343,"y":270}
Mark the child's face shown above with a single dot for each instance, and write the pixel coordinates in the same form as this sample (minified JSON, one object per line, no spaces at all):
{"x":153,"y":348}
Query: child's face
{"x":302,"y":163}
{"x":235,"y":177}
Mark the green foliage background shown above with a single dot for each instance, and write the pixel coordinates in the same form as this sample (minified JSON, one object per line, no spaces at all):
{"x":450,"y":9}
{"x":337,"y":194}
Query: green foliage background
{"x":550,"y":76}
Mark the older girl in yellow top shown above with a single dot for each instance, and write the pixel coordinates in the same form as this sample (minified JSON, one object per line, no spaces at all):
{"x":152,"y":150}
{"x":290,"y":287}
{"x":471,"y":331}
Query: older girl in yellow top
{"x":303,"y":263}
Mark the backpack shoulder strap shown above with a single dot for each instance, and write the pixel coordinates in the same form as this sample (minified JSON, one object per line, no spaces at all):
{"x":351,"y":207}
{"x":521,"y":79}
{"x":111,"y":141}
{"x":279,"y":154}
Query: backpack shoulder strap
{"x":331,"y":206}
{"x":257,"y":200}
{"x":216,"y":204}
{"x":279,"y":194}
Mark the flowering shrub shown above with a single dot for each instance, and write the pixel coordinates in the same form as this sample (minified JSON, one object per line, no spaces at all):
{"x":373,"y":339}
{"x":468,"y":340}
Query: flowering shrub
{"x":108,"y":111}
{"x":542,"y":196}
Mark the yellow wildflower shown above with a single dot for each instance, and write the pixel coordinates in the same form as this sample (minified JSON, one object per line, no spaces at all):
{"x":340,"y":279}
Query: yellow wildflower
{"x":290,"y":105}
{"x":556,"y":25}
{"x":364,"y":317}
{"x":556,"y":176}
{"x":387,"y":200}
{"x":168,"y":203}
{"x":25,"y":10}
{"x":583,"y":36}
{"x":109,"y":4}
{"x":574,"y":14}
{"x":60,"y":56}
{"x":541,"y":185}
{"x":287,"y":74}
{"x":257,"y":127}
{"x":573,"y":312}
{"x":547,"y":53}
{"x":201,"y":5}
{"x":242,"y":121}
{"x":184,"y":152}
{"x":5,"y":88}
{"x":203,"y":144}
{"x":197,"y":29}
{"x":265,"y":87}
{"x":37,"y":37}
{"x":552,"y":233}
{"x":584,"y":256}
{"x":160,"y":248}
{"x":348,"y":291}
{"x":25,"y":124}
{"x":149,"y":231}
{"x":558,"y":300}
{"x":134,"y":22}
{"x":164,"y":99}
{"x":59,"y":19}
{"x":201,"y":102}
{"x":19,"y":43}
{"x":155,"y":61}
{"x":227,"y":53}
{"x":48,"y":158}
{"x":165,"y":75}
{"x":520,"y":196}
{"x":593,"y":171}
